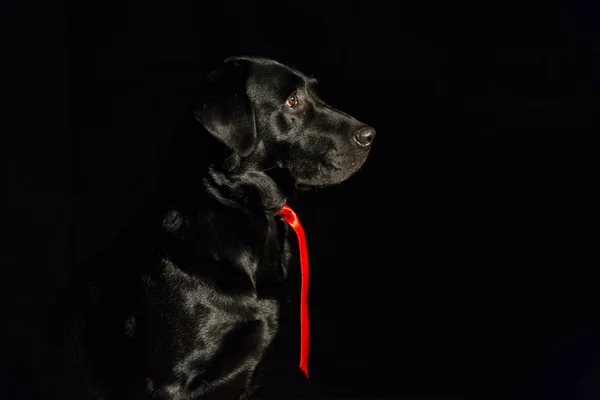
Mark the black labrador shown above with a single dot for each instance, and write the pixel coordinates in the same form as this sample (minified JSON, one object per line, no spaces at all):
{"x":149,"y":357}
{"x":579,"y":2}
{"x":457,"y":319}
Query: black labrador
{"x":190,"y":306}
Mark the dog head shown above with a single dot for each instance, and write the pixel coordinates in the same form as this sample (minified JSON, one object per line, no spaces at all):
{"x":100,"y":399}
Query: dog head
{"x":270,"y":117}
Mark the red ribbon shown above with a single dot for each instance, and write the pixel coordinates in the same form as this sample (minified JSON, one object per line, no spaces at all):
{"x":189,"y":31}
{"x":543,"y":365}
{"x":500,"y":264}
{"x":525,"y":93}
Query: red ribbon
{"x":292,"y":219}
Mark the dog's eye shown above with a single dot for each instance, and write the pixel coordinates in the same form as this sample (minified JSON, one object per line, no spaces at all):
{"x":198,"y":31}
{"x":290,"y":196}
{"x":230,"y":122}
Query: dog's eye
{"x":292,"y":101}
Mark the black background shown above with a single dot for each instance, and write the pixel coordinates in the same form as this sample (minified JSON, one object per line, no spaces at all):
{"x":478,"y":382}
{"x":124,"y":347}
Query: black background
{"x":458,"y":263}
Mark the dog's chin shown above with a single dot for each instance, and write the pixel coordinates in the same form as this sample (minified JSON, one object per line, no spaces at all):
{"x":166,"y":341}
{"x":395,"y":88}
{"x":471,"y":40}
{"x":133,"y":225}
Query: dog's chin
{"x":324,"y":181}
{"x":307,"y":187}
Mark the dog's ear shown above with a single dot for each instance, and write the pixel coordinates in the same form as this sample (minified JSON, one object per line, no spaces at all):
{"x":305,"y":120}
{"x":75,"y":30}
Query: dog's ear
{"x":225,"y":109}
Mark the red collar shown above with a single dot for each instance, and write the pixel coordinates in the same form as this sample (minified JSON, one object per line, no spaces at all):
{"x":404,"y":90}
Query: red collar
{"x":292,"y":219}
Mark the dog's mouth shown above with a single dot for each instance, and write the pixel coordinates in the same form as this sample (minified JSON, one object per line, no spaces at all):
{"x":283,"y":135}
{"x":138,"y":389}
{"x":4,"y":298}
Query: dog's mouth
{"x":325,"y":167}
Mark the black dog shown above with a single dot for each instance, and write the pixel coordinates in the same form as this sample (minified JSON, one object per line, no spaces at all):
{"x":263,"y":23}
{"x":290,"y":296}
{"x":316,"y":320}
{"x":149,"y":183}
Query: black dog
{"x":190,"y":306}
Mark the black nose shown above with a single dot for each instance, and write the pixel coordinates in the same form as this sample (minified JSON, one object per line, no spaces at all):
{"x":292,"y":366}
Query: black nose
{"x":365,"y":136}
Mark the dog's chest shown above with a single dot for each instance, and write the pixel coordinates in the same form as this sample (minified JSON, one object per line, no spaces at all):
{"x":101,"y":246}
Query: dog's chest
{"x":213,"y":300}
{"x":235,"y":251}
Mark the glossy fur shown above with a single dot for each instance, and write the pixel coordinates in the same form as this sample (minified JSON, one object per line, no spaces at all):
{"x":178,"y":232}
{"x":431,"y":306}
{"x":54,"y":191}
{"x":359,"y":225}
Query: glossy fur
{"x":189,"y":301}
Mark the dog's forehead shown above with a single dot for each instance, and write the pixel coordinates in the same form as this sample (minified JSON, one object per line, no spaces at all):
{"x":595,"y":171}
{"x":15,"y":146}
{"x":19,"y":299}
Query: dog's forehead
{"x":268,"y":64}
{"x":277,"y":74}
{"x":272,"y":76}
{"x":274,"y":81}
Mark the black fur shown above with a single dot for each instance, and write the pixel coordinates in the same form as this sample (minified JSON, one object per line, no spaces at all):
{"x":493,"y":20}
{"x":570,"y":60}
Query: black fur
{"x":189,"y":303}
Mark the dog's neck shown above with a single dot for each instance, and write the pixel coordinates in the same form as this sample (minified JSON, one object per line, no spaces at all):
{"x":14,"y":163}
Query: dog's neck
{"x":202,"y":169}
{"x":249,"y":190}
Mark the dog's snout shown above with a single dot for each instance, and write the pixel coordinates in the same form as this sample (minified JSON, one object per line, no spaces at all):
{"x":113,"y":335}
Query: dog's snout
{"x":364,"y":136}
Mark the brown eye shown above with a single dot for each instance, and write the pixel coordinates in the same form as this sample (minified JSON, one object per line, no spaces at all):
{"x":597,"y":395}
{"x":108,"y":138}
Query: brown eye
{"x":292,"y":101}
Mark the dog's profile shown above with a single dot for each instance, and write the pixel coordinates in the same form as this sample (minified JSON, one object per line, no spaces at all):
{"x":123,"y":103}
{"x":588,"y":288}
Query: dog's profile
{"x":191,"y":303}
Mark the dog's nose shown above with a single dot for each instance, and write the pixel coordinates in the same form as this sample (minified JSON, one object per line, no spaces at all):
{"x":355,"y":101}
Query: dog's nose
{"x":365,"y":136}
